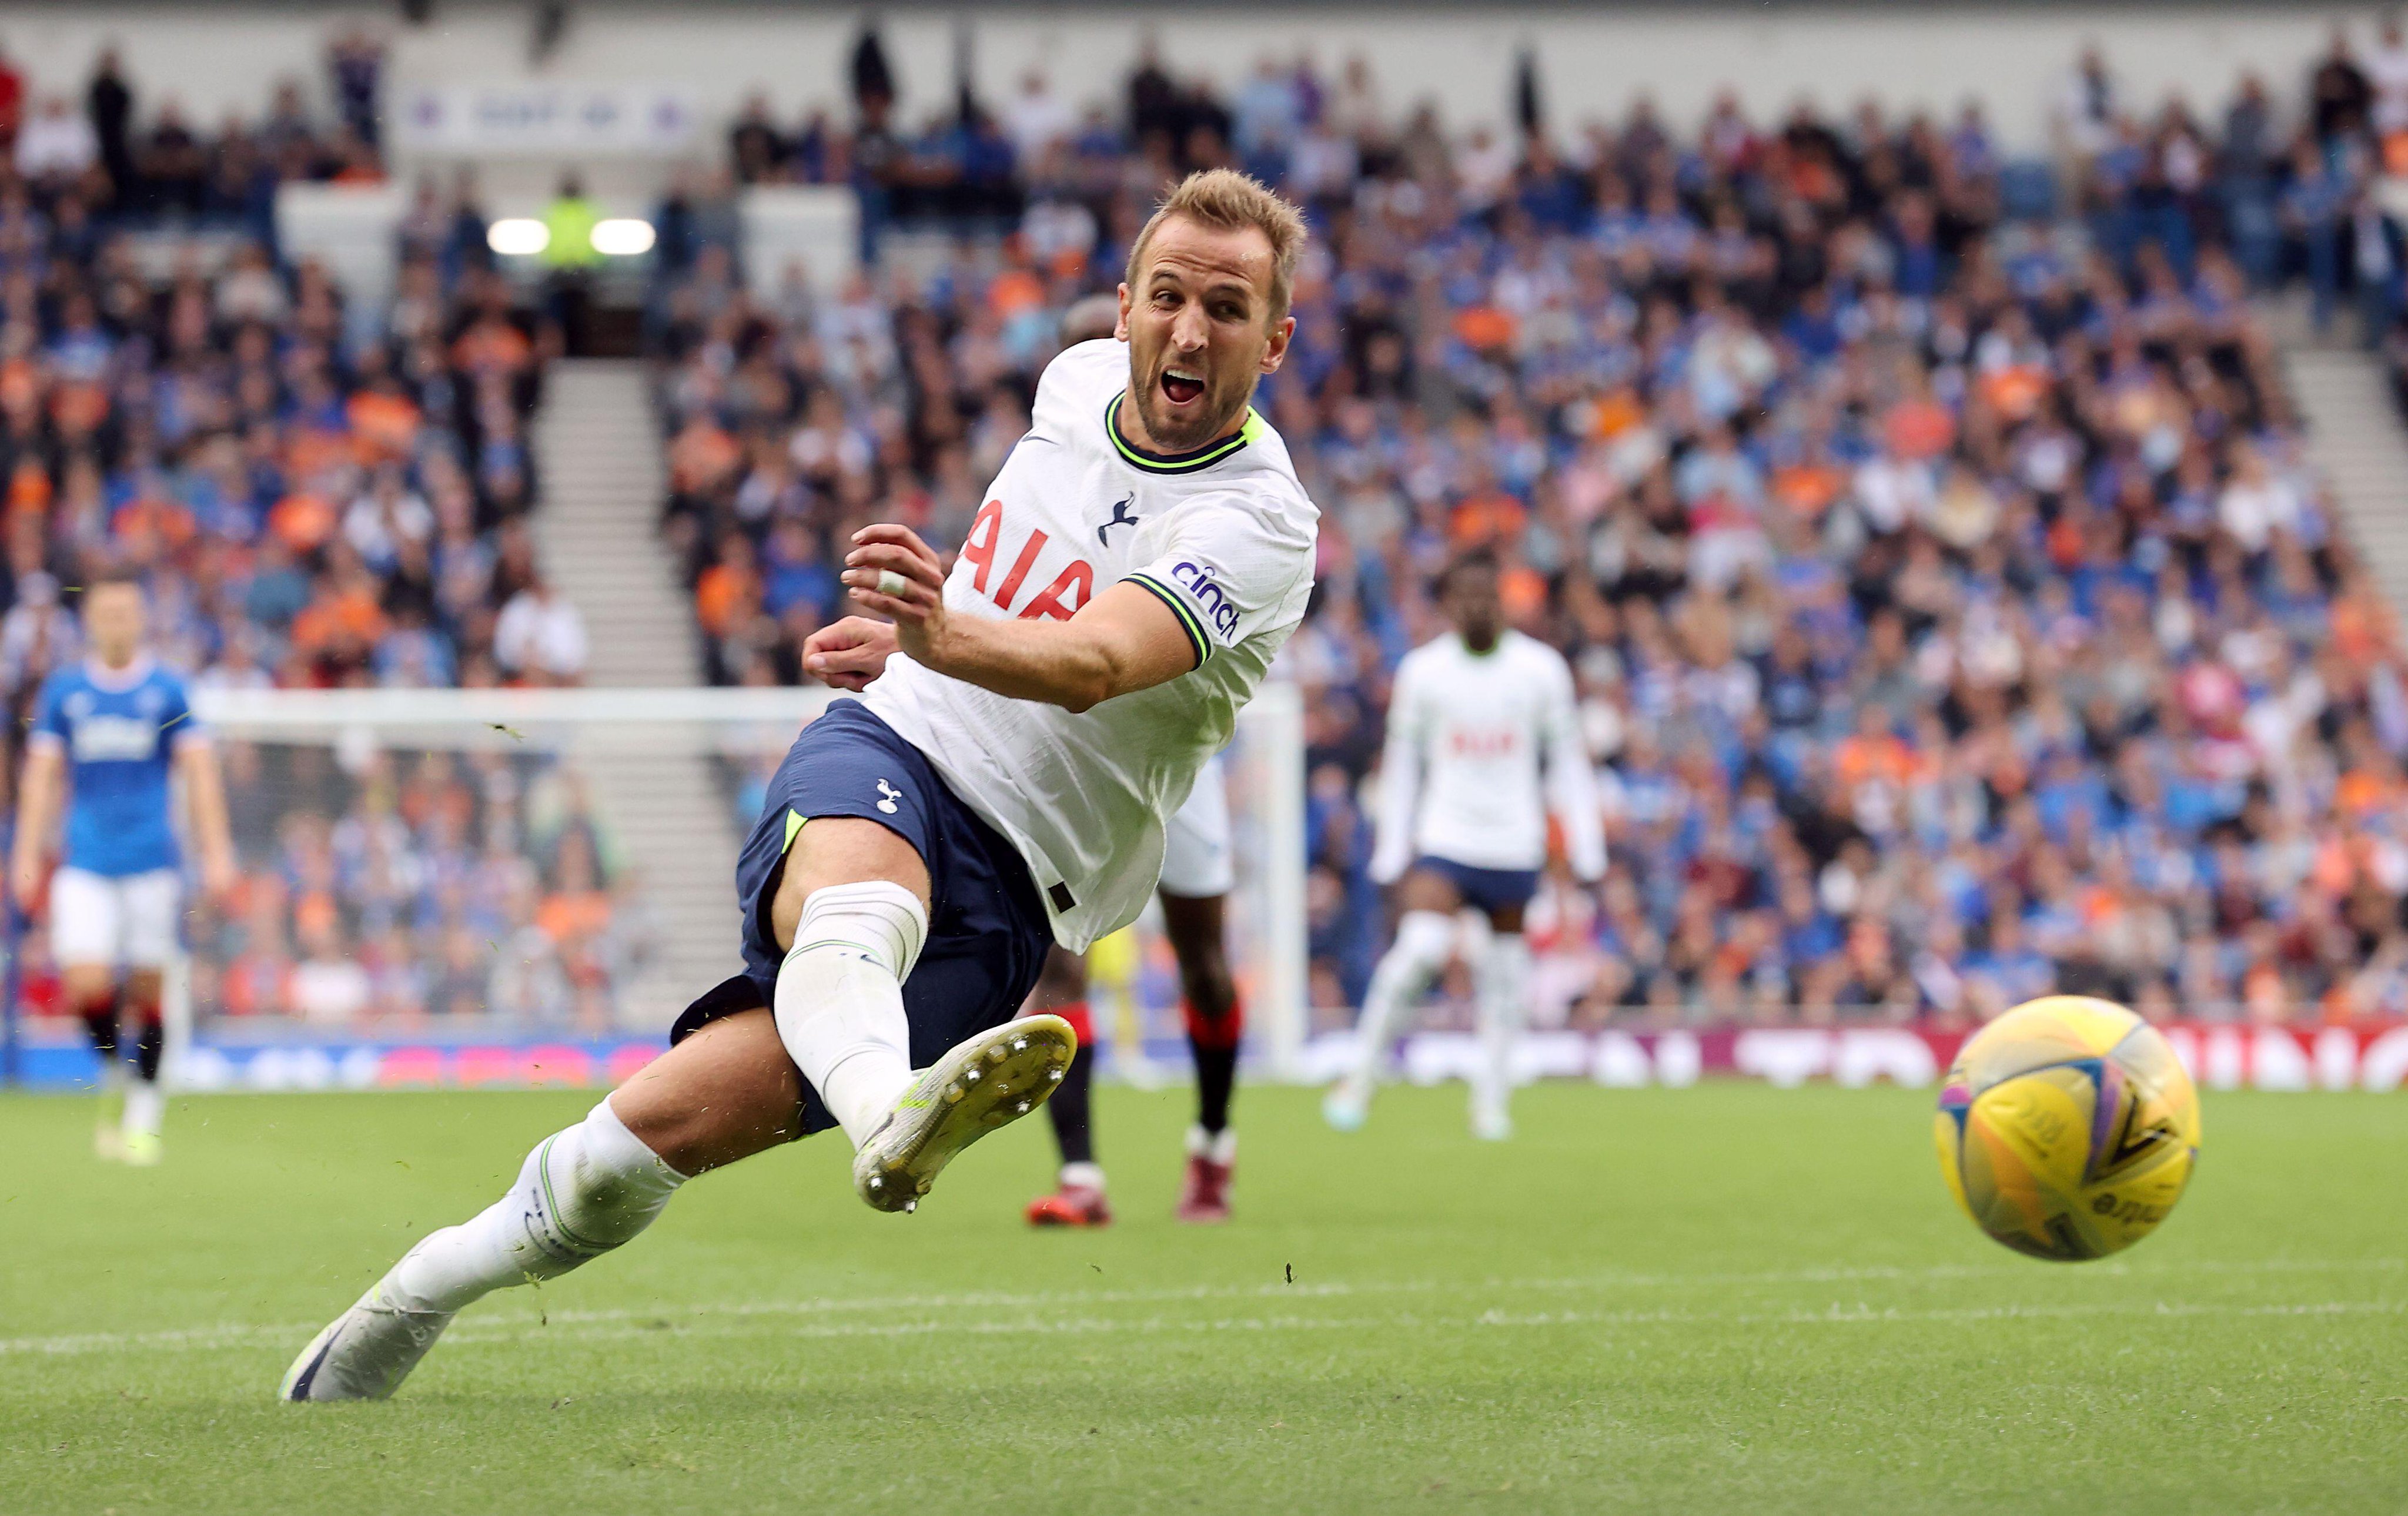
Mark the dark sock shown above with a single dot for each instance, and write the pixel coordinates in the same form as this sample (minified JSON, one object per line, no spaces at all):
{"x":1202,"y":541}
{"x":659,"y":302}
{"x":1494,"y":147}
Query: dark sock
{"x":1213,"y":1040}
{"x":1072,"y":1109}
{"x":1216,"y":1079}
{"x":100,"y":1024}
{"x":149,"y":1044}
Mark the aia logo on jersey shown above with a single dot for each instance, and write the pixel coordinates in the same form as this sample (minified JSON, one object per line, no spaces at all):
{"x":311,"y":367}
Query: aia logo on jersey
{"x":1217,"y":606}
{"x":1060,"y":600}
{"x":1484,"y":742}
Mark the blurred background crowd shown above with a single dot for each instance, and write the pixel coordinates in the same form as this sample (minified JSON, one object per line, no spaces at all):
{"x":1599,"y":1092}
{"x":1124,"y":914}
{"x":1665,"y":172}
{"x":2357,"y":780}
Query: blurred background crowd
{"x":1954,"y":613}
{"x":318,"y":495}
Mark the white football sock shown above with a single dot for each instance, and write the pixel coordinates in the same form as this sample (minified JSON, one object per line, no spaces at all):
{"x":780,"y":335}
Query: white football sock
{"x":146,"y":1105}
{"x":1502,"y":978}
{"x":839,"y":1000}
{"x":1082,"y":1176}
{"x":1424,"y":939}
{"x":582,"y":1192}
{"x":1221,"y":1147}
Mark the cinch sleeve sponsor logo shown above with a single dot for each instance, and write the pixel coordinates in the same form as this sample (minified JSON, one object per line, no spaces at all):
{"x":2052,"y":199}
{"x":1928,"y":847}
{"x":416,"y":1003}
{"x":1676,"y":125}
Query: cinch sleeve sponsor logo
{"x":1210,"y":598}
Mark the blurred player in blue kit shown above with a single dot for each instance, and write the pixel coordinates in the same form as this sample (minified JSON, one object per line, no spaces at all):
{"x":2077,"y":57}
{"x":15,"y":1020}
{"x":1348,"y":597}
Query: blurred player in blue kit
{"x":110,"y":736}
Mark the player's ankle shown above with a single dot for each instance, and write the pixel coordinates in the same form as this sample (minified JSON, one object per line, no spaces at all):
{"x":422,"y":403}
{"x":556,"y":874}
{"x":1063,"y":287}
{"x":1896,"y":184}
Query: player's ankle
{"x":1082,"y":1176}
{"x":1221,"y":1147}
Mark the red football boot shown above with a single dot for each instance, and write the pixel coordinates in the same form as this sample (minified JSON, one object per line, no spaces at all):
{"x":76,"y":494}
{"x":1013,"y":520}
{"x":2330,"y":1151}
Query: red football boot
{"x":1204,"y":1196}
{"x":1079,"y":1201}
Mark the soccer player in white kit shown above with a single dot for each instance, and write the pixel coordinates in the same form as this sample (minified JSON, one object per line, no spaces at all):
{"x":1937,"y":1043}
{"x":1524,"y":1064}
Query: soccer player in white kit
{"x":1484,"y":740}
{"x":109,"y":738}
{"x":1198,"y":870}
{"x":1031,"y":720}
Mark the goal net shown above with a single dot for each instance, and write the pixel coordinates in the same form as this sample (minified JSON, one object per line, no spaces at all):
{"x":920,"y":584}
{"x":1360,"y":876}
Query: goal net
{"x":466,"y":887}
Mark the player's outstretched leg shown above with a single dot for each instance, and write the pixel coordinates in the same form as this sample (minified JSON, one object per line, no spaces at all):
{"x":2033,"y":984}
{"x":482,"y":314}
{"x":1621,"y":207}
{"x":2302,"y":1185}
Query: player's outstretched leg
{"x":1423,"y":940}
{"x":581,"y":1193}
{"x":1501,"y":979}
{"x":724,"y":1094}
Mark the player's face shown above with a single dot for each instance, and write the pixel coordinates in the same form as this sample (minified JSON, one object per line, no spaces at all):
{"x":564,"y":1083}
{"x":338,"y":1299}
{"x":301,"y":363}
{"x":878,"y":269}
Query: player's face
{"x":112,"y":621}
{"x":1473,"y":605}
{"x":1199,"y":329}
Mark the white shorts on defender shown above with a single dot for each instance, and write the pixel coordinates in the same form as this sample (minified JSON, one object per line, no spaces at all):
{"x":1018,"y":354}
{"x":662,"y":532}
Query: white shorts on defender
{"x":1197,"y":861}
{"x":126,"y":921}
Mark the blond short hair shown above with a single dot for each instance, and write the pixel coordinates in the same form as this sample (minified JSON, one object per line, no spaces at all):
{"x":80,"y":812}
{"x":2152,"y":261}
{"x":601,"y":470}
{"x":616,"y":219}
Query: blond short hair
{"x":1228,"y":200}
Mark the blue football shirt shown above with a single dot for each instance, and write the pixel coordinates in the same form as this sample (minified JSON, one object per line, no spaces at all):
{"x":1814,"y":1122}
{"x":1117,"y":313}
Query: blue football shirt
{"x":120,"y":729}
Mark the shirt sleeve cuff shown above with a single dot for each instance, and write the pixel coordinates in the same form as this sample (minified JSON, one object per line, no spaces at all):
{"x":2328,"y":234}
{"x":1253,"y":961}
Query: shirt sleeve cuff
{"x":1180,"y":613}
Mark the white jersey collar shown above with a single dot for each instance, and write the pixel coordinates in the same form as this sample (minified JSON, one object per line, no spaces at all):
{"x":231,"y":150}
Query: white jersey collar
{"x":118,"y":680}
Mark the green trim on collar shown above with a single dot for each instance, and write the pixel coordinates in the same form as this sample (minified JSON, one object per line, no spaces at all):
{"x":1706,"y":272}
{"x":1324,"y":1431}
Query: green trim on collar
{"x":1178,"y":462}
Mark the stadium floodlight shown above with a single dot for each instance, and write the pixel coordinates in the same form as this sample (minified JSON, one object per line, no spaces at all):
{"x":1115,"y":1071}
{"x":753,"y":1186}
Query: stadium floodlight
{"x":622,"y":236}
{"x":518,"y":236}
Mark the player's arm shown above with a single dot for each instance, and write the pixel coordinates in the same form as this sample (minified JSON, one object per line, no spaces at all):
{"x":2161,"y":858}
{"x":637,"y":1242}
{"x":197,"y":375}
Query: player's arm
{"x":205,"y":808}
{"x":1400,"y":781}
{"x":39,"y":792}
{"x":1571,"y":784}
{"x":1127,"y":639}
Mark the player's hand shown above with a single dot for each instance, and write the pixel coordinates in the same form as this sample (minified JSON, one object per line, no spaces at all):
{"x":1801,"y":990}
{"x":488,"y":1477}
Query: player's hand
{"x":219,"y":880}
{"x":25,"y":884}
{"x":892,"y":572}
{"x":849,"y":653}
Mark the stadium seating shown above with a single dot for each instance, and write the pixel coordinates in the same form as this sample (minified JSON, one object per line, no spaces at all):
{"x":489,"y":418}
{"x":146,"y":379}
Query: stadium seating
{"x":320,"y":497}
{"x":1955,"y":615}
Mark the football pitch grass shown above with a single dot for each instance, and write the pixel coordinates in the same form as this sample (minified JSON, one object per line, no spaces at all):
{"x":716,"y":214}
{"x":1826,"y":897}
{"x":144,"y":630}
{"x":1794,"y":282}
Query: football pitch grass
{"x":1727,"y":1298}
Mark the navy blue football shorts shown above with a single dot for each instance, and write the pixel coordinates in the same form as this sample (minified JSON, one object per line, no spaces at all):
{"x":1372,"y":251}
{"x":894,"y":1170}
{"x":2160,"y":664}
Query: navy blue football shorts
{"x":1490,"y":889}
{"x":987,"y":928}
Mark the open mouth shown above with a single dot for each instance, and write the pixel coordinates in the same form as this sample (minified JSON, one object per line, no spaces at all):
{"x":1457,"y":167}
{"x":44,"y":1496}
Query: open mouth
{"x":1180,"y":387}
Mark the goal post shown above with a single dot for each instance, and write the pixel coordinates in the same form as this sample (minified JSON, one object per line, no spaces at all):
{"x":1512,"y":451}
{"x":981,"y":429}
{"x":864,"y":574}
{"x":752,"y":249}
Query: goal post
{"x":527,"y":885}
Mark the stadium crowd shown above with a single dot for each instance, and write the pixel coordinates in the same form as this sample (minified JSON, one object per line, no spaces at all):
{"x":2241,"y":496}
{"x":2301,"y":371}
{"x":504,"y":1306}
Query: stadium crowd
{"x":316,"y":495}
{"x":1954,"y":613}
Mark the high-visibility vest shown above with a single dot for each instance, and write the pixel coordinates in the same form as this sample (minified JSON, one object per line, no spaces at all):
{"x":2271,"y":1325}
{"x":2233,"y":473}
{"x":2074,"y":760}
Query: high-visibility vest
{"x":570,"y":220}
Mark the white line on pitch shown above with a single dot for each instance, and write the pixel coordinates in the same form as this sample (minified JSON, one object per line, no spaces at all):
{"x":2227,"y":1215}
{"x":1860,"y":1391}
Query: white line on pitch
{"x":231,"y":1335}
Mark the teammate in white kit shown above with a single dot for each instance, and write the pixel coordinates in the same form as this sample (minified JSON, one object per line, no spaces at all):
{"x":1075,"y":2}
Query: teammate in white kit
{"x":109,"y":738}
{"x":1031,"y":720}
{"x":1475,"y":719}
{"x":1197,"y":873}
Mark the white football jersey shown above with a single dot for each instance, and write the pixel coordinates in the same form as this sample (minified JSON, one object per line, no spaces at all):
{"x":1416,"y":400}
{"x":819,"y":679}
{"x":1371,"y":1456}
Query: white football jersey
{"x":1224,"y":537}
{"x":1468,"y":734}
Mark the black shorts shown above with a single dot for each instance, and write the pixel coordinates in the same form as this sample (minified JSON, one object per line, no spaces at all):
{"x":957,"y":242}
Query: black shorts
{"x":987,"y":928}
{"x":1490,"y":889}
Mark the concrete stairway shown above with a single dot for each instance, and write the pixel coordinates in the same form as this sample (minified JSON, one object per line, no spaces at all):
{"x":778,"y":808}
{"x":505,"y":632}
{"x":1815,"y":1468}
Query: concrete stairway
{"x":2356,"y":437}
{"x":599,"y":448}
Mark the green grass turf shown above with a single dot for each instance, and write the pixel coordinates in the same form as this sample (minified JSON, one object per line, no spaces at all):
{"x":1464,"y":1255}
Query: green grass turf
{"x":1728,"y":1298}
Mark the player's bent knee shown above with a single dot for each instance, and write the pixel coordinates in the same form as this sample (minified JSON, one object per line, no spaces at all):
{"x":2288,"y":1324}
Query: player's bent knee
{"x":839,"y":850}
{"x":724,"y":1094}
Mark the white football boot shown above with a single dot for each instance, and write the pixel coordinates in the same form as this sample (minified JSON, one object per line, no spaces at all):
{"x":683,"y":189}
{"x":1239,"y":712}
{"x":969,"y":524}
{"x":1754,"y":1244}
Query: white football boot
{"x":1347,"y":1106}
{"x":365,"y":1352}
{"x":986,"y":1081}
{"x":1490,"y":1121}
